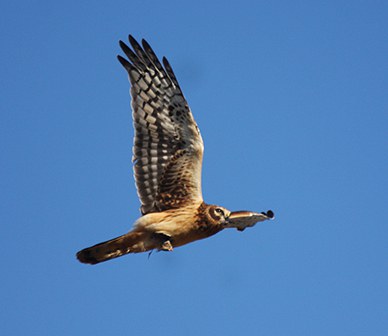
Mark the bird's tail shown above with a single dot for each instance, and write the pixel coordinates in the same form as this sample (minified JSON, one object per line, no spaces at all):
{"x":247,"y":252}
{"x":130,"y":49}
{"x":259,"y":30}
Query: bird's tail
{"x":132,"y":242}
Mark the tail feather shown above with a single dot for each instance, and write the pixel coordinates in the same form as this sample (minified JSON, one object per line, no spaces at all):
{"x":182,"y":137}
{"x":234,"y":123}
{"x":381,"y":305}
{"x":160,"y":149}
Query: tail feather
{"x":131,"y":242}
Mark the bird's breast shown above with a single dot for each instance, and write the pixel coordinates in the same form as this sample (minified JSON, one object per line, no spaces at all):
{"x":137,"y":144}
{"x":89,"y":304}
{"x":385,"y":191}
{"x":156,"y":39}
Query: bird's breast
{"x":193,"y":231}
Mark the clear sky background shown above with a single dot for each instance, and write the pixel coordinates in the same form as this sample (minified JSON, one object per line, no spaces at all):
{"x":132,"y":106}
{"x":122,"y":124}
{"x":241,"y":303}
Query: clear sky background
{"x":292,"y":101}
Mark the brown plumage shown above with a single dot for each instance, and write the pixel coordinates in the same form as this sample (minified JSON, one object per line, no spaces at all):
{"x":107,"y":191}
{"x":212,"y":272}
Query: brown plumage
{"x":167,"y":156}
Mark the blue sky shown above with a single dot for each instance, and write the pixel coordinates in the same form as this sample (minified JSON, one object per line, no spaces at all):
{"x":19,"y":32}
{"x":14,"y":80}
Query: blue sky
{"x":291,"y":100}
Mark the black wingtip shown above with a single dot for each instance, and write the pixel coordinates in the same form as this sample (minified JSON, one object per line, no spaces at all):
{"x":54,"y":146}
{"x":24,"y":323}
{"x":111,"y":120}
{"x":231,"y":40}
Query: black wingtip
{"x":170,"y":72}
{"x":125,"y":48}
{"x":133,"y":42}
{"x":145,"y":44}
{"x":131,"y":39}
{"x":124,"y":62}
{"x":166,"y":63}
{"x":269,"y":214}
{"x":122,"y":44}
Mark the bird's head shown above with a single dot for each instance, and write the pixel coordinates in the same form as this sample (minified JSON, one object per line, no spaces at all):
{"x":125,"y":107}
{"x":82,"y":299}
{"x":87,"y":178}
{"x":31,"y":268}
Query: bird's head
{"x":217,"y":214}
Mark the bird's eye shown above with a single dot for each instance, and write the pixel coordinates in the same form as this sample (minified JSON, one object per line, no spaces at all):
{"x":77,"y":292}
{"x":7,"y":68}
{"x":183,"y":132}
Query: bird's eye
{"x":220,"y":211}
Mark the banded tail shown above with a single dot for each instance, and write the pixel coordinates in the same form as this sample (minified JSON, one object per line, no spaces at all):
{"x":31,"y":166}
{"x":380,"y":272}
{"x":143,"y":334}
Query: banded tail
{"x":132,"y":242}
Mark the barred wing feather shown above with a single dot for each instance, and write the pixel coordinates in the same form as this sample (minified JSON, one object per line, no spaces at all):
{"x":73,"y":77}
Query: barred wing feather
{"x":168,"y":147}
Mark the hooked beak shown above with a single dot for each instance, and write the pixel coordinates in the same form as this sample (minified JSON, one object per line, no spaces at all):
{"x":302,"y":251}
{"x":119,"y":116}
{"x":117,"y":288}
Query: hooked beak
{"x":227,"y":217}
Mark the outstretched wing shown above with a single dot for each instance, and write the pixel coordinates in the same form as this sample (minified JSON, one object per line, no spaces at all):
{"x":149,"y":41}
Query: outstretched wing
{"x":168,"y":147}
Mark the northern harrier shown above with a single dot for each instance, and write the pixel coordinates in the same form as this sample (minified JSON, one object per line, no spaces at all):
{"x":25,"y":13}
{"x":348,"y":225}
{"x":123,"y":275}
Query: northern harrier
{"x":167,"y":156}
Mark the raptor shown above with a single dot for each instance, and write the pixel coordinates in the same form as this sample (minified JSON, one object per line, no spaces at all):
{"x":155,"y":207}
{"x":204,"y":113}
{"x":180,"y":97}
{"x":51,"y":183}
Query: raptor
{"x":167,"y":157}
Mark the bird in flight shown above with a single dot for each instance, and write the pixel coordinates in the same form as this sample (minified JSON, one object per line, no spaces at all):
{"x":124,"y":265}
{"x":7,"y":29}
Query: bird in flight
{"x":167,"y":157}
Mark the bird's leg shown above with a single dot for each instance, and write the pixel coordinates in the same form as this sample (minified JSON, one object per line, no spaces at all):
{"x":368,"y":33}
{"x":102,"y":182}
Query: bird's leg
{"x":166,"y":246}
{"x":163,"y":242}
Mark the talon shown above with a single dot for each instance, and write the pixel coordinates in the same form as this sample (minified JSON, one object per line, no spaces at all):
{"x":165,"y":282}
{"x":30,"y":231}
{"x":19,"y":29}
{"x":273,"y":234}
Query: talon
{"x":166,"y":246}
